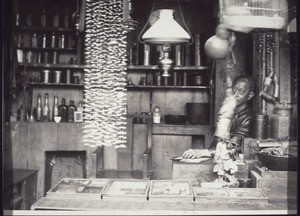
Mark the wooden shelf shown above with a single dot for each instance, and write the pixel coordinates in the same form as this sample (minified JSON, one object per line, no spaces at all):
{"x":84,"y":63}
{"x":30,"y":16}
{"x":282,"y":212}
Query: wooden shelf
{"x":48,"y":49}
{"x":175,"y":68}
{"x":165,"y":87}
{"x":43,"y":29}
{"x":49,"y":66}
{"x":64,"y":85}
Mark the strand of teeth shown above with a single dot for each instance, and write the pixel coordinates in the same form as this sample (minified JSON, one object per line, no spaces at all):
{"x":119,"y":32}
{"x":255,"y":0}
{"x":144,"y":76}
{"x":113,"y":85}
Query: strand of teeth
{"x":105,"y":92}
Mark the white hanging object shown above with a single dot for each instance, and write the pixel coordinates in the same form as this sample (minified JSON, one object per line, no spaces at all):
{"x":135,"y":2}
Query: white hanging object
{"x":166,"y":30}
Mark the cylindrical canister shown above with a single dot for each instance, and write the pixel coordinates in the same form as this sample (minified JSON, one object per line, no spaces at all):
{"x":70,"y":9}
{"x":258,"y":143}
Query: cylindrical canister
{"x":57,"y":76}
{"x":260,"y":126}
{"x":68,"y":76}
{"x":46,"y":76}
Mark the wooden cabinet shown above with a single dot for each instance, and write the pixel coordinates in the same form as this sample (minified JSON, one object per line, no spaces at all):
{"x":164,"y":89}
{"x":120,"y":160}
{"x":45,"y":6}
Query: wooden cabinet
{"x":47,"y":47}
{"x":19,"y":189}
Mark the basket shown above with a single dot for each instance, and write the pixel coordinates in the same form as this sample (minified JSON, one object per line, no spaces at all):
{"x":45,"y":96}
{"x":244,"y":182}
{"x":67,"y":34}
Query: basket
{"x":246,"y":15}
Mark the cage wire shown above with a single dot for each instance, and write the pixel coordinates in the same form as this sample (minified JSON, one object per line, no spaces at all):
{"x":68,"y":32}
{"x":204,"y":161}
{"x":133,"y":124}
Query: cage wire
{"x":246,"y":15}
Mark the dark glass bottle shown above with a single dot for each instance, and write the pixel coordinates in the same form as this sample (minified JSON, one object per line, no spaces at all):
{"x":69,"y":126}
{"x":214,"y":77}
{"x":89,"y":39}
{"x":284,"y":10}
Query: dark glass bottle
{"x":70,"y":111}
{"x":43,"y":19}
{"x":62,"y":110}
{"x":39,"y":109}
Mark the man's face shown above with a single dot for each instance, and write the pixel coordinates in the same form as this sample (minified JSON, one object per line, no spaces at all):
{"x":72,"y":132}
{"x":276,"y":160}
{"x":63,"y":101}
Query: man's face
{"x":241,"y":90}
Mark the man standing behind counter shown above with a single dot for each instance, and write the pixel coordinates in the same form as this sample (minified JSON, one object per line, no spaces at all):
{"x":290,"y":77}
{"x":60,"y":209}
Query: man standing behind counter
{"x":243,"y":90}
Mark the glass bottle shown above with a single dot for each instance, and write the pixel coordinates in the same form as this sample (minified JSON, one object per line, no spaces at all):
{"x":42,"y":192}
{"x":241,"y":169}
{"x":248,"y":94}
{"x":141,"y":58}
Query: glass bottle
{"x":80,"y":107}
{"x":53,"y":40}
{"x":44,"y":41}
{"x":43,"y":18}
{"x":39,"y":110}
{"x":17,"y":18}
{"x":156,"y":115}
{"x":46,"y":109}
{"x":56,"y":19}
{"x":66,"y":19}
{"x":34,"y":40}
{"x":29,"y":19}
{"x":55,"y":107}
{"x":62,"y":110}
{"x":70,"y":111}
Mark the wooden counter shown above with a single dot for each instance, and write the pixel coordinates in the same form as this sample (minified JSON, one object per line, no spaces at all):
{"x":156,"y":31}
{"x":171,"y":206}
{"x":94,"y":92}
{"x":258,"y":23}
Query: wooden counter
{"x":146,"y":207}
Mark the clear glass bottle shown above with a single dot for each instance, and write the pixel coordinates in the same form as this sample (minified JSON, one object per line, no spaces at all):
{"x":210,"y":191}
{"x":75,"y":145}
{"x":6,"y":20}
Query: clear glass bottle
{"x":80,"y":107}
{"x":44,"y":45}
{"x":34,"y":40}
{"x":55,"y":107}
{"x":70,"y":111}
{"x":53,"y":39}
{"x":62,"y":110}
{"x":46,"y":109}
{"x":39,"y":109}
{"x":156,"y":115}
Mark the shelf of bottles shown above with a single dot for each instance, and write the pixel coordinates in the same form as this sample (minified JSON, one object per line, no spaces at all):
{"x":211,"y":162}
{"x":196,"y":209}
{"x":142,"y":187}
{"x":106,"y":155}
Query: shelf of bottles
{"x":46,"y":43}
{"x":187,"y":73}
{"x":57,"y":112}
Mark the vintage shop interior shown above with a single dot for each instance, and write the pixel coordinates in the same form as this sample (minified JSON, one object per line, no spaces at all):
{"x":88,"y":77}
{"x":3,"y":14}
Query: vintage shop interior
{"x":102,"y":98}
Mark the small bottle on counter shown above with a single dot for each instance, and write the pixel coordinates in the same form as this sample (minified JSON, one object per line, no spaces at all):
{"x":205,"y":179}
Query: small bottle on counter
{"x":55,"y":107}
{"x":156,"y":115}
{"x":39,"y":109}
{"x":46,"y":109}
{"x":62,"y":110}
{"x":70,"y":111}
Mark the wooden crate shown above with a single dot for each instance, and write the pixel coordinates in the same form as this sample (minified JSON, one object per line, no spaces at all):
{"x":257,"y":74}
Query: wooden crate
{"x":79,"y":188}
{"x":127,"y":190}
{"x":171,"y":191}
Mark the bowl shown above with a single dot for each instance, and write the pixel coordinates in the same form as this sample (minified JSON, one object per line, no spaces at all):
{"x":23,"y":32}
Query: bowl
{"x":57,"y":119}
{"x":175,"y":119}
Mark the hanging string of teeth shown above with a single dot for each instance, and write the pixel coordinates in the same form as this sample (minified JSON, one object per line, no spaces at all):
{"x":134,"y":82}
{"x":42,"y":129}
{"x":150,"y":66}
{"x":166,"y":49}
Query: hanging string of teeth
{"x":105,"y":92}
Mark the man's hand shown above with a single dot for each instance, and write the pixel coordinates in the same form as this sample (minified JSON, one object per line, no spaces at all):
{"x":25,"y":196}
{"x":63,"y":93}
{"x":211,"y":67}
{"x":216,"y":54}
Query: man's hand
{"x":191,"y":153}
{"x":198,"y":153}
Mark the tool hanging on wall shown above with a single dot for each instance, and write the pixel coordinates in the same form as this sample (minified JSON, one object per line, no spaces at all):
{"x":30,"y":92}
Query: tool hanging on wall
{"x":271,"y":77}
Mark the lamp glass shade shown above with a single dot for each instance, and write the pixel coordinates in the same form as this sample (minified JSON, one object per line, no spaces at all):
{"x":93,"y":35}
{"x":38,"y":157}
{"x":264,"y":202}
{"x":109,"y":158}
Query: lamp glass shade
{"x":166,"y":30}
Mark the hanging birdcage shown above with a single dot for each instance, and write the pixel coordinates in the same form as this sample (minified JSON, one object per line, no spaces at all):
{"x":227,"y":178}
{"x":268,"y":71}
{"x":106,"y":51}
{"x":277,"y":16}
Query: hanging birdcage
{"x":246,"y":15}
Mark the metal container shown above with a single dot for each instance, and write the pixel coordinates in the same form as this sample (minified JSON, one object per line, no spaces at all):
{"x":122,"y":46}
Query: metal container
{"x":68,"y":76}
{"x":260,"y":126}
{"x":57,"y":76}
{"x":46,"y":76}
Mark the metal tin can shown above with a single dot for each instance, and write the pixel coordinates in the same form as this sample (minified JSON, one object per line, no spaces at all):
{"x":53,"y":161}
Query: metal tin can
{"x":68,"y":76}
{"x":260,"y":126}
{"x":46,"y":76}
{"x":57,"y":76}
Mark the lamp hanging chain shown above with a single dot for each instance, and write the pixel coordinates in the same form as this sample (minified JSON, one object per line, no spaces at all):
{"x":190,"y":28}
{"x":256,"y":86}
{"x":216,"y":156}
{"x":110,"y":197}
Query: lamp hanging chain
{"x":142,"y":31}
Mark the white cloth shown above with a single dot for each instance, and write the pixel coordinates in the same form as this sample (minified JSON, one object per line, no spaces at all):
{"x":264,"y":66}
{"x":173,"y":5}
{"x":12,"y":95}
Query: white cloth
{"x":223,"y":160}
